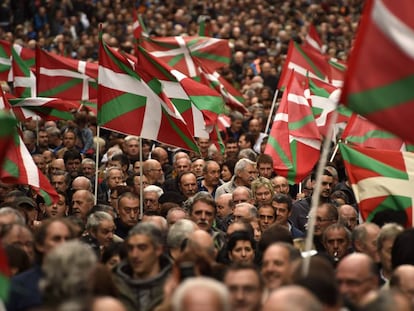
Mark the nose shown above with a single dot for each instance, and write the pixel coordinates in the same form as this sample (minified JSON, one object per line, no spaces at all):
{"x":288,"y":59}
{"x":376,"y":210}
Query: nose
{"x":243,"y":253}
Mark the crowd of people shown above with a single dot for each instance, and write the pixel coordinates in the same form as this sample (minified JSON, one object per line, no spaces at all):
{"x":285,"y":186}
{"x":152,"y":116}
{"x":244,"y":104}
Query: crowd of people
{"x":146,"y":226}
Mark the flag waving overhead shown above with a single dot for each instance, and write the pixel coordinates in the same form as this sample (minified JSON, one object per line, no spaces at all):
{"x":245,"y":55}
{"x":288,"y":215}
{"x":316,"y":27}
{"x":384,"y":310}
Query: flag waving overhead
{"x":27,"y":56}
{"x":306,"y":62}
{"x":198,"y":104}
{"x":65,"y":78}
{"x":7,"y":128}
{"x":294,"y":141}
{"x":127,"y":104}
{"x":181,"y":52}
{"x":19,"y":167}
{"x":379,"y":82}
{"x":24,"y":79}
{"x":313,"y":40}
{"x":361,"y":132}
{"x":382,"y":181}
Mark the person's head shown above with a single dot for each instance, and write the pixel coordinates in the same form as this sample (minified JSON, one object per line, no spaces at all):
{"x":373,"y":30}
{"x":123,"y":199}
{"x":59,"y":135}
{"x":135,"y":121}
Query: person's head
{"x":43,"y":139}
{"x":88,"y":168}
{"x":82,"y":203}
{"x":245,"y":211}
{"x":182,"y":165}
{"x":224,"y":205}
{"x":265,"y":165}
{"x":266,"y":215}
{"x":227,"y":169}
{"x":128,"y":209}
{"x":276,"y":264}
{"x":326,"y":184}
{"x":282,"y":204}
{"x":66,"y":272}
{"x":364,"y":239}
{"x":262,"y":190}
{"x":246,"y":140}
{"x":58,"y":209}
{"x":203,"y":144}
{"x":242,"y":194}
{"x":9,"y":215}
{"x":211,"y":173}
{"x":292,"y":297}
{"x":232,"y":148}
{"x":151,"y":195}
{"x":241,"y":247}
{"x":236,"y":121}
{"x":69,"y":138}
{"x":60,"y":180}
{"x":193,"y":293}
{"x":56,"y":165}
{"x":153,"y":171}
{"x":348,"y":216}
{"x":51,"y":233}
{"x":403,"y":280}
{"x":245,"y":287}
{"x":356,"y":276}
{"x":200,"y":241}
{"x":336,"y":240}
{"x":385,"y":241}
{"x":120,"y":160}
{"x":114,"y":177}
{"x":187,"y":182}
{"x":160,"y":154}
{"x":81,"y":183}
{"x":175,"y":214}
{"x":280,"y":184}
{"x":245,"y":172}
{"x":203,"y":210}
{"x":197,"y":167}
{"x":132,"y":146}
{"x":326,"y":215}
{"x":72,"y":159}
{"x":101,"y":226}
{"x":177,"y":233}
{"x":144,"y":246}
{"x":40,"y":162}
{"x":254,"y":126}
{"x":135,"y":181}
{"x":113,"y":255}
{"x":18,"y":235}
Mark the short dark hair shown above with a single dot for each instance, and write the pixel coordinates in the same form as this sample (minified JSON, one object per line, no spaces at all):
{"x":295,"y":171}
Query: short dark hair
{"x":234,"y":267}
{"x":71,"y":154}
{"x":204,"y":197}
{"x":284,"y":199}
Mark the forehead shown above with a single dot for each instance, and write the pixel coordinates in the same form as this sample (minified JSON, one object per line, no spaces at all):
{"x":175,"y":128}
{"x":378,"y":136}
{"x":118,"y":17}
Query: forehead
{"x":326,"y":178}
{"x":199,"y":205}
{"x":138,"y":239}
{"x":245,"y":276}
{"x":150,"y":194}
{"x":213,"y":166}
{"x":263,"y":188}
{"x":126,"y":201}
{"x":279,"y":181}
{"x":276,"y":252}
{"x":188,"y":178}
{"x":57,"y":227}
{"x":335,"y":232}
{"x":264,"y":165}
{"x":106,"y":223}
{"x":266,"y":210}
{"x":114,"y":172}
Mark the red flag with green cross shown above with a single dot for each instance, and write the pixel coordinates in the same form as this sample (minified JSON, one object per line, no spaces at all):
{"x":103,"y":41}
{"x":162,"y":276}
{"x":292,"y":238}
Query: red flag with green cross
{"x":382,"y":180}
{"x":379,"y":82}
{"x":294,"y":141}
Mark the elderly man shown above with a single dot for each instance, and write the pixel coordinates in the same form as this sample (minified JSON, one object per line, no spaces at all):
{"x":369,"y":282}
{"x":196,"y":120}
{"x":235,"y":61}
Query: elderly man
{"x":101,"y":228}
{"x":153,"y":171}
{"x":151,"y":195}
{"x":364,"y":239}
{"x":187,"y":183}
{"x":348,"y":216}
{"x":82,"y":203}
{"x":280,"y":184}
{"x":211,"y":178}
{"x":113,"y":177}
{"x":244,"y":174}
{"x":81,"y":183}
{"x":356,"y":276}
{"x":337,"y":241}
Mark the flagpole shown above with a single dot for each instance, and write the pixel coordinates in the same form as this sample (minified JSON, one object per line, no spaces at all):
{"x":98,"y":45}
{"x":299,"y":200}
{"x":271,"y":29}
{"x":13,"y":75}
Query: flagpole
{"x":141,"y":190}
{"x":97,"y":164}
{"x":334,"y":152}
{"x":269,"y":118}
{"x":315,"y":195}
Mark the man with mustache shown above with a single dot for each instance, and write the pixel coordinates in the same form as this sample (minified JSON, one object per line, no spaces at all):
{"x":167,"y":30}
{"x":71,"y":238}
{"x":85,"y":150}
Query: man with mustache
{"x":211,"y":178}
{"x":82,"y":203}
{"x":244,"y":173}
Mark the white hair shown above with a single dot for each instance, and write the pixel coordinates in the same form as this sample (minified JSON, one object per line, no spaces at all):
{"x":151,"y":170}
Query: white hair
{"x":154,"y":188}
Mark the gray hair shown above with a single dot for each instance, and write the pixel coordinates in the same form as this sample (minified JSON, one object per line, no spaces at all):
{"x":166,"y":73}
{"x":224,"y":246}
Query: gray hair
{"x":200,"y":283}
{"x":251,"y":208}
{"x":388,"y":232}
{"x":154,"y":188}
{"x":19,"y":218}
{"x":95,"y":219}
{"x":179,"y":232}
{"x":110,"y":169}
{"x":242,"y":164}
{"x":67,"y":269}
{"x":248,"y":154}
{"x":150,"y":230}
{"x":88,"y":161}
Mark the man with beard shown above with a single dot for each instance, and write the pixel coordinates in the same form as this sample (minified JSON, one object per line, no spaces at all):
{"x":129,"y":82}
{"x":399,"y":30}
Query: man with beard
{"x":245,"y":287}
{"x":82,"y":203}
{"x":276,"y":264}
{"x":211,"y":180}
{"x":187,"y":183}
{"x":203,"y":211}
{"x":244,"y":173}
{"x":300,"y":209}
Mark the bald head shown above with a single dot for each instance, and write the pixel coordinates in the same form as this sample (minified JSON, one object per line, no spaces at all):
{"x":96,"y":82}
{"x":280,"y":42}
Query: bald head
{"x":403,"y":280}
{"x":292,"y":298}
{"x":202,"y":240}
{"x":81,"y":183}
